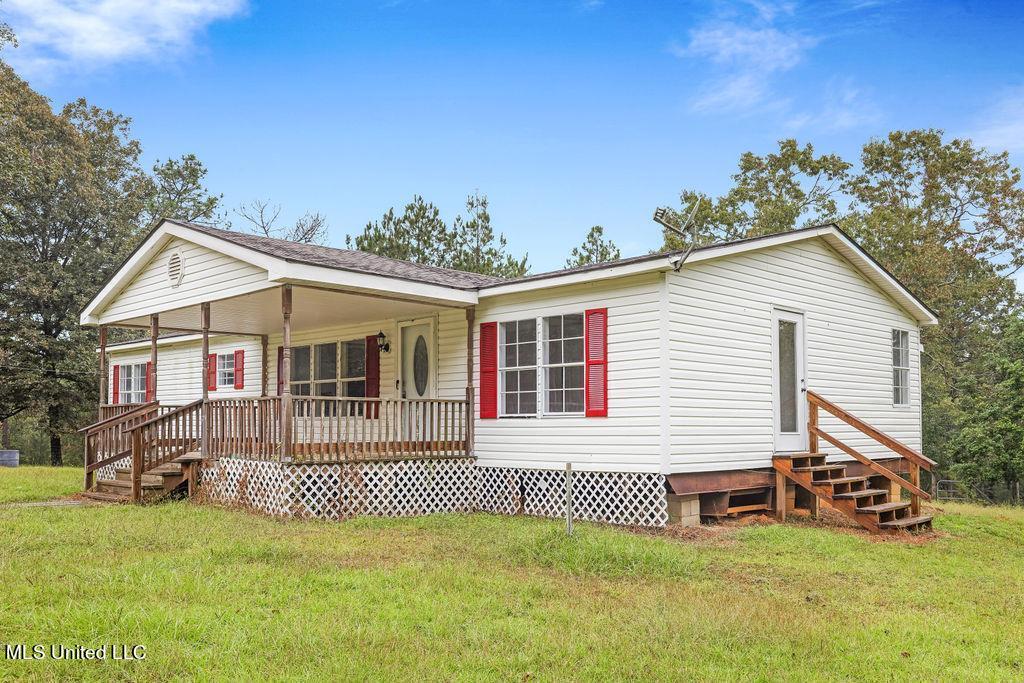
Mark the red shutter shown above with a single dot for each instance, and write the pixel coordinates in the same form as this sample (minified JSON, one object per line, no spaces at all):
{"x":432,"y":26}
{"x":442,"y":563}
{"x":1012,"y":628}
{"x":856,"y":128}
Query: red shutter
{"x":240,"y":369}
{"x":149,"y":381}
{"x":280,"y":370}
{"x":596,"y":345}
{"x":117,"y":384}
{"x":372,"y":372}
{"x":211,"y":372}
{"x":488,"y":370}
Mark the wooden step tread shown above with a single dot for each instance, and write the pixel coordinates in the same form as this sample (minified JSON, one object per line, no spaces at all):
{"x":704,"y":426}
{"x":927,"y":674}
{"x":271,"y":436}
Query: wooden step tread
{"x":127,"y":484}
{"x":192,"y":456}
{"x":861,"y":494}
{"x":841,"y":480}
{"x":819,"y":468}
{"x":169,"y":470}
{"x":790,"y":456}
{"x":106,"y":497}
{"x":885,"y":507}
{"x":905,"y":522}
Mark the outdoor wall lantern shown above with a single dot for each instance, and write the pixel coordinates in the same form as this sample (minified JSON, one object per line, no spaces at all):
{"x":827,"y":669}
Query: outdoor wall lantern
{"x":382,"y":342}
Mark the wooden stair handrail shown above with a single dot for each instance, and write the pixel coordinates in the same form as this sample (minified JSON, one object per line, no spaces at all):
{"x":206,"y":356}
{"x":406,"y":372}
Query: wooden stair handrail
{"x":875,"y":467}
{"x":876,"y":434}
{"x":134,"y":412}
{"x":168,"y":414}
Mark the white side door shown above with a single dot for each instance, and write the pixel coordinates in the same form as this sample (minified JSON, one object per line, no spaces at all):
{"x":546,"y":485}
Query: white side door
{"x":789,"y":381}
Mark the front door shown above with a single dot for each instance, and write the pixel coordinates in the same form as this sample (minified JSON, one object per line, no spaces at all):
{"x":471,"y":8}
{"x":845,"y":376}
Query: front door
{"x":417,"y":378}
{"x":789,"y":381}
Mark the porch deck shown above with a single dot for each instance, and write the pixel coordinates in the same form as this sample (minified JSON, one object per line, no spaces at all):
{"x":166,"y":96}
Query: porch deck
{"x":287,"y":429}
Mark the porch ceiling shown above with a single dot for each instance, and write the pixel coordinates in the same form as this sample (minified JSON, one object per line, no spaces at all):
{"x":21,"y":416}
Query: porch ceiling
{"x":259,"y":313}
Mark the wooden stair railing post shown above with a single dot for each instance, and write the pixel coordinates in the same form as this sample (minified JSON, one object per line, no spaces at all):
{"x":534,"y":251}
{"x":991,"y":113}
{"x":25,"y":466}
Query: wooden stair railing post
{"x":915,"y":479}
{"x":89,"y":453}
{"x":137,"y":465}
{"x":812,"y":446}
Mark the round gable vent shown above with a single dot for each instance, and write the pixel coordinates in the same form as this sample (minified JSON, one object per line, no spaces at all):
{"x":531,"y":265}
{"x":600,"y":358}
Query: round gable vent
{"x":175,"y":268}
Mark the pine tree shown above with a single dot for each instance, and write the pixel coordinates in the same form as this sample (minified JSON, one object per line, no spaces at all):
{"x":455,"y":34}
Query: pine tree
{"x":595,"y":249}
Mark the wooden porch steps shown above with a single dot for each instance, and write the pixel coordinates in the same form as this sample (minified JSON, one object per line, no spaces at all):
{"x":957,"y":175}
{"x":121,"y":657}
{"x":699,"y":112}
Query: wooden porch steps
{"x":157,"y":483}
{"x":861,"y":498}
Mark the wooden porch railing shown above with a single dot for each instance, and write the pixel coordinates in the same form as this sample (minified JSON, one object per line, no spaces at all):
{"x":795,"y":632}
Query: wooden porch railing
{"x":246,"y":427}
{"x":163,"y":438}
{"x":359,"y":429}
{"x":109,"y":440}
{"x":915,"y":459}
{"x":109,"y":410}
{"x":324,"y":430}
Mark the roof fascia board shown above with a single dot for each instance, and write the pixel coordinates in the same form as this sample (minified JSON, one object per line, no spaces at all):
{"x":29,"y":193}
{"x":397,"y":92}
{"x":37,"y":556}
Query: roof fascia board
{"x":654,"y":265}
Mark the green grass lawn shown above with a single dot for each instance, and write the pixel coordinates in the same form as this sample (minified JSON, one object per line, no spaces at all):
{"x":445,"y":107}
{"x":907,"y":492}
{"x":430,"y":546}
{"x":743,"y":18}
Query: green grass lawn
{"x":26,"y":484}
{"x":217,"y":594}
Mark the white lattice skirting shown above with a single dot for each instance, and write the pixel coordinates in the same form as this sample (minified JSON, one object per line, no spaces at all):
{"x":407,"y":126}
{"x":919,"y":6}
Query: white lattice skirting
{"x":108,"y":471}
{"x":418,"y":487}
{"x":627,"y":498}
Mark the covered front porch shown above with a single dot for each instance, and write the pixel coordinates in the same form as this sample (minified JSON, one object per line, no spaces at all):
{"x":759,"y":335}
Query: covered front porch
{"x":343,"y":377}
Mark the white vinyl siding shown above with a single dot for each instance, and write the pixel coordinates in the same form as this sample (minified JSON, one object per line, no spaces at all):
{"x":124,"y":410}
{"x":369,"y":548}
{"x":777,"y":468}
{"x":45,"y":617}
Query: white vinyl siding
{"x":207,"y":274}
{"x":720,"y":353}
{"x":181,"y":368}
{"x":629,"y":438}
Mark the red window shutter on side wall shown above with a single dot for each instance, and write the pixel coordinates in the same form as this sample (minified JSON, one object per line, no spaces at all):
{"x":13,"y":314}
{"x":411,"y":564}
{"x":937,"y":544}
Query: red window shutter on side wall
{"x":211,"y":372}
{"x":280,"y":370}
{"x":240,"y":369}
{"x":116,"y":394}
{"x":488,"y":370}
{"x":597,"y":362}
{"x":149,"y":381}
{"x":372,"y":373}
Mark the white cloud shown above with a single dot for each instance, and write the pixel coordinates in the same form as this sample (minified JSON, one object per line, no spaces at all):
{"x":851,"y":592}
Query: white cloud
{"x":746,"y":59}
{"x":58,"y":34}
{"x":1001,"y":126}
{"x":846,"y":106}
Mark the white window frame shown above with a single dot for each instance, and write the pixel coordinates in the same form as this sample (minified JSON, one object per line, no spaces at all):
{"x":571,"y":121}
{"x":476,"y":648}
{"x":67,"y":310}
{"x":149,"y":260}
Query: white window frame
{"x":225,"y":364}
{"x":540,"y":367}
{"x":502,"y":368}
{"x":542,"y":379}
{"x":900,"y":370}
{"x":340,"y":383}
{"x":131,"y":383}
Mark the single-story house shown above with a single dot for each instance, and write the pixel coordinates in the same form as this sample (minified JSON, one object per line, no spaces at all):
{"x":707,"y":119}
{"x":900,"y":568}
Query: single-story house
{"x":309,"y":380}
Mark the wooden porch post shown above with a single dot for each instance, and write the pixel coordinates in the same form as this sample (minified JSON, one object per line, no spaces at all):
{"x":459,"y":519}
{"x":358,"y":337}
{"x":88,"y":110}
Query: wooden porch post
{"x":470,"y":388}
{"x":780,"y":496}
{"x":286,"y":374}
{"x":204,"y":443}
{"x":154,"y":333}
{"x":265,"y":372}
{"x":104,"y":387}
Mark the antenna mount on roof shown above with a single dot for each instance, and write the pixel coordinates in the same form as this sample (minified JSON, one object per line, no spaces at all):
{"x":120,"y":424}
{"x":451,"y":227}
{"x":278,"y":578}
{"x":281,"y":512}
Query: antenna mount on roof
{"x":661,"y":216}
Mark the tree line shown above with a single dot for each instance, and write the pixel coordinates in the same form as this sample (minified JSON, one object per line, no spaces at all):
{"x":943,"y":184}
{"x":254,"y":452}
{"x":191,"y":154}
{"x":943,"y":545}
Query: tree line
{"x":943,"y":215}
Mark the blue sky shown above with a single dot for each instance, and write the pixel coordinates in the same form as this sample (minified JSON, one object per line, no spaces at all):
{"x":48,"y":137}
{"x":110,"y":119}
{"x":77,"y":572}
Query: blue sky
{"x":565,"y":114}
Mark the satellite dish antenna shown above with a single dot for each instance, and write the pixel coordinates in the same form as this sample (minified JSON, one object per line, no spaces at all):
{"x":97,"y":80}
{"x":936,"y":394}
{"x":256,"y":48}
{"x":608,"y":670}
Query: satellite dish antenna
{"x":661,"y":216}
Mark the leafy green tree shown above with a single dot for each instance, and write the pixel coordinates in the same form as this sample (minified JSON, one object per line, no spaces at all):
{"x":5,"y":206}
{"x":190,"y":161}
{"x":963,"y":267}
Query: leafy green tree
{"x":73,"y":203}
{"x":773,"y":193}
{"x":991,"y":443}
{"x":421,"y":235}
{"x":595,"y":249}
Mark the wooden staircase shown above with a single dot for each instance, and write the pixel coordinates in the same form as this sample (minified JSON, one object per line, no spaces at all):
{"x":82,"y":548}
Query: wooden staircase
{"x":865,"y":499}
{"x":161,"y":444}
{"x":872,"y":500}
{"x":156,"y":483}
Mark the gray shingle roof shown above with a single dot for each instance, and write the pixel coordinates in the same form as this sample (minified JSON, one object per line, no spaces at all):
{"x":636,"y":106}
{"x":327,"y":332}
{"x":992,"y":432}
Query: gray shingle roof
{"x":347,"y":259}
